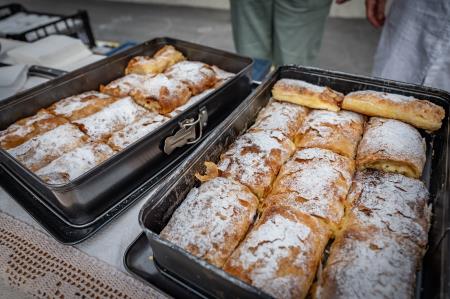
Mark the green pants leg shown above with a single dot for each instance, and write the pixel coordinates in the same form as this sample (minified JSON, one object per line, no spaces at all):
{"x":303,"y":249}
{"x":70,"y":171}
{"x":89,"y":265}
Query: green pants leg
{"x":298,"y":30}
{"x":252,"y":27}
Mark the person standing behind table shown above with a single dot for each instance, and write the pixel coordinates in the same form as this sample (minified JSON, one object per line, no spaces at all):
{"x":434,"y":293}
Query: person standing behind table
{"x":415,"y":42}
{"x":282,"y":31}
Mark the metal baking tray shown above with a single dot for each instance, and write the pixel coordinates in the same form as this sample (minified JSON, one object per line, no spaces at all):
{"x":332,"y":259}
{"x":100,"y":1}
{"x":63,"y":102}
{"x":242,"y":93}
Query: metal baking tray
{"x":432,"y":280}
{"x":99,"y":192}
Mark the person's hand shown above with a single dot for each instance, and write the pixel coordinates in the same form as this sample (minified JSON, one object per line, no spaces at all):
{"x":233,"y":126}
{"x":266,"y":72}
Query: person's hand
{"x":375,"y":12}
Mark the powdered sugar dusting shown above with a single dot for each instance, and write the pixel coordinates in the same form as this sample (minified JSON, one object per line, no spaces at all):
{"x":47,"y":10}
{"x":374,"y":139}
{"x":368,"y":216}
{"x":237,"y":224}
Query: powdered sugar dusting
{"x":212,"y":219}
{"x":126,"y":84}
{"x":392,"y":140}
{"x":133,"y":132}
{"x":281,"y":116}
{"x":301,"y":84}
{"x":111,"y":118}
{"x":279,"y":255}
{"x":74,"y":163}
{"x":396,"y":98}
{"x":256,"y":157}
{"x":190,"y":72}
{"x":67,"y":106}
{"x":221,"y":74}
{"x":391,"y":202}
{"x":369,"y":264}
{"x":151,"y":87}
{"x":41,"y":150}
{"x":192,"y":101}
{"x":316,"y":182}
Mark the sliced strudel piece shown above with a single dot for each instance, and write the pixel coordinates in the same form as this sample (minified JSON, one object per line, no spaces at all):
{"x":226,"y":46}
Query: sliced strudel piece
{"x":161,"y":60}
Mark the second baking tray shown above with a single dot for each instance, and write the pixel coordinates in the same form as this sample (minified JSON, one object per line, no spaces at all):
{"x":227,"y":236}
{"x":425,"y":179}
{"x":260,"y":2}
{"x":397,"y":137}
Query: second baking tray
{"x":96,"y":193}
{"x":432,"y":281}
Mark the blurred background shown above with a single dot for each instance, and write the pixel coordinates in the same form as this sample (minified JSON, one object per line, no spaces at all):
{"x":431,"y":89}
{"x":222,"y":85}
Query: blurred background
{"x":348,"y":45}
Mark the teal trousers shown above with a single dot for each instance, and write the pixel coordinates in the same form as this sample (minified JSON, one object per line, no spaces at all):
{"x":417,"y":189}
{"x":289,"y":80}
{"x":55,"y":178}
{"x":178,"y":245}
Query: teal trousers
{"x":283,"y":31}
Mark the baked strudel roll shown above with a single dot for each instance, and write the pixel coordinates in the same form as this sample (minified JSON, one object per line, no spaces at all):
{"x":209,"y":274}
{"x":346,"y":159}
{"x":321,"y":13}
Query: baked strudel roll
{"x":314,"y":181}
{"x":391,"y":202}
{"x":191,"y":102}
{"x":255,"y":159}
{"x":393,"y":146}
{"x":306,"y":94}
{"x":369,"y":264}
{"x":161,"y":94}
{"x":135,"y":131}
{"x":198,"y":76}
{"x":123,"y":86}
{"x":161,"y":60}
{"x":419,"y":113}
{"x":99,"y":126}
{"x":221,"y":75}
{"x":42,"y":149}
{"x":82,"y":105}
{"x":339,"y":131}
{"x":281,"y":116}
{"x":71,"y":165}
{"x":212,"y":220}
{"x":29,"y":127}
{"x":281,"y":253}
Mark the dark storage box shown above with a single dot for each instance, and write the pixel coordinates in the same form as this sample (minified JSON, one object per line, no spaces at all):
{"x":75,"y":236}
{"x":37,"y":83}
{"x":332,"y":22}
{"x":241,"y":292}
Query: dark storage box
{"x":432,"y":282}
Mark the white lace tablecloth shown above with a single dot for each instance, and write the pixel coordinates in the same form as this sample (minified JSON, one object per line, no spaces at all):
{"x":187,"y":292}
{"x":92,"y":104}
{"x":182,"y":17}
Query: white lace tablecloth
{"x":101,"y":255}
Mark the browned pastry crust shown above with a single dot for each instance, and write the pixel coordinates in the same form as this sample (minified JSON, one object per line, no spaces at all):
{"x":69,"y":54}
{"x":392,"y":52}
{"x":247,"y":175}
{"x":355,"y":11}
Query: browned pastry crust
{"x":71,"y":165}
{"x":161,"y":60}
{"x":255,"y":159}
{"x":123,"y":86}
{"x":393,"y":146}
{"x":42,"y":149}
{"x":390,"y":202}
{"x":161,"y":94}
{"x":281,"y":116}
{"x":29,"y":127}
{"x":314,"y":181}
{"x":367,"y":263}
{"x":82,"y":105}
{"x":198,"y":76}
{"x":280,"y":255}
{"x":306,"y":94}
{"x":419,"y":113}
{"x":339,"y":131}
{"x":212,"y":220}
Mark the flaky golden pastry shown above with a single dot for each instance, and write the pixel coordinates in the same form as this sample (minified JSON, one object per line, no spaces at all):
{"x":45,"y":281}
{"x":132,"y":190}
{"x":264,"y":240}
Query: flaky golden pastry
{"x":212,"y":220}
{"x":82,"y":105}
{"x":123,"y":86}
{"x":390,"y":202}
{"x":306,"y":94}
{"x":161,"y":60}
{"x":198,"y":76}
{"x":280,"y":255}
{"x":42,"y":149}
{"x":314,"y":181}
{"x":29,"y":127}
{"x":393,"y":146}
{"x":419,"y":113}
{"x":281,"y":116}
{"x":367,"y":263}
{"x":339,"y":131}
{"x":255,"y":159}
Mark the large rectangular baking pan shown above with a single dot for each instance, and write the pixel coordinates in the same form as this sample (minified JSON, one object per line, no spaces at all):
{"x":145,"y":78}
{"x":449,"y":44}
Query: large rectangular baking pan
{"x":90,"y":196}
{"x":433,"y":280}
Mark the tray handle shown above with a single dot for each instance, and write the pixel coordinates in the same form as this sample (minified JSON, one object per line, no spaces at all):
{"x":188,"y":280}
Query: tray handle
{"x":190,"y":132}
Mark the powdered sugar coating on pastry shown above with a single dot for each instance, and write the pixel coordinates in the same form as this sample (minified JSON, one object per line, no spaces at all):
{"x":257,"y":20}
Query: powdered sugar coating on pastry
{"x":281,"y":253}
{"x":191,"y":102}
{"x":41,"y":150}
{"x":391,"y":202}
{"x":302,"y":84}
{"x":392,"y":140}
{"x":212,"y":219}
{"x":281,"y":116}
{"x":71,"y":165}
{"x":314,"y":181}
{"x":99,"y":126}
{"x":255,"y":159}
{"x":135,"y":131}
{"x":123,"y":86}
{"x":197,"y":75}
{"x":369,"y":264}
